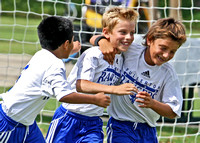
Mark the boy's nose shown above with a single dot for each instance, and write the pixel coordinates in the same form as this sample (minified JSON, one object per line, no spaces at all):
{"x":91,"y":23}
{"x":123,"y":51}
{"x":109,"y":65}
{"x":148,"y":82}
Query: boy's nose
{"x":128,"y":36}
{"x":166,"y":55}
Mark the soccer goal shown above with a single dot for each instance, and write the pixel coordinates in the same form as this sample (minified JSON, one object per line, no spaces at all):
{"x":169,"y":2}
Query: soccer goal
{"x":19,"y":42}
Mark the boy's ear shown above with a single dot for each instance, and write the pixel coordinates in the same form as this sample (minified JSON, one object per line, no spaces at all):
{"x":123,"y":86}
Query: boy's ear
{"x":148,"y":42}
{"x":66,"y":44}
{"x":106,"y":33}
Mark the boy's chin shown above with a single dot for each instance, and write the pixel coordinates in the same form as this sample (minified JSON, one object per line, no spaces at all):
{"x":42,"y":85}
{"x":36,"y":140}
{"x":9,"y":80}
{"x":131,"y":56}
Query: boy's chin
{"x":123,"y":49}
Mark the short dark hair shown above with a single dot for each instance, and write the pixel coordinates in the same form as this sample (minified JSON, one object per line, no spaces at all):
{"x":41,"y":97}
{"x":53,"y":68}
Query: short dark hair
{"x":53,"y":31}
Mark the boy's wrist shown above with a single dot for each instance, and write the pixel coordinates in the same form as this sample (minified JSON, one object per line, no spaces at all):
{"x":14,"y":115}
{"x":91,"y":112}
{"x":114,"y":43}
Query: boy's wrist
{"x":96,"y":42}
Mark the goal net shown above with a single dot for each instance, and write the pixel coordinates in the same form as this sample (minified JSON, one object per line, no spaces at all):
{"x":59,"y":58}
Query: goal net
{"x":18,"y":43}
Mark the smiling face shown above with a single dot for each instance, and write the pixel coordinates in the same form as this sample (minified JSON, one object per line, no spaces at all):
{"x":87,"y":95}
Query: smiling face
{"x":160,"y":51}
{"x":122,"y":35}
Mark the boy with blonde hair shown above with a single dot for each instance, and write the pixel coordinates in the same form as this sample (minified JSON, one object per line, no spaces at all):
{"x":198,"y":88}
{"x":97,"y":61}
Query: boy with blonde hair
{"x":82,"y":123}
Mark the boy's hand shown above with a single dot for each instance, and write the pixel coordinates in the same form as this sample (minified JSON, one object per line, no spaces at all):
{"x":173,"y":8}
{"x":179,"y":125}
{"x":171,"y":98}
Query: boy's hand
{"x":77,"y":47}
{"x":161,"y":108}
{"x":108,"y":50}
{"x":102,"y":100}
{"x":145,"y":99}
{"x":125,"y":89}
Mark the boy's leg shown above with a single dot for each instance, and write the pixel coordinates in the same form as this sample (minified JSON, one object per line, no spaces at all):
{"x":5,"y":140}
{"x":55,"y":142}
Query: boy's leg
{"x":129,"y":132}
{"x":10,"y":131}
{"x":56,"y":131}
{"x":67,"y":126}
{"x":92,"y":132}
{"x":34,"y":134}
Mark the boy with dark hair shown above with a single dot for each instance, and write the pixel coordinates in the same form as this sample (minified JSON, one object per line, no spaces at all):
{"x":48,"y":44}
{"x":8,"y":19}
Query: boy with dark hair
{"x":43,"y":77}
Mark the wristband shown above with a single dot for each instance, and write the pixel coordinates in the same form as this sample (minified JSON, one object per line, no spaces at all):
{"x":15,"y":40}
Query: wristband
{"x":98,"y":39}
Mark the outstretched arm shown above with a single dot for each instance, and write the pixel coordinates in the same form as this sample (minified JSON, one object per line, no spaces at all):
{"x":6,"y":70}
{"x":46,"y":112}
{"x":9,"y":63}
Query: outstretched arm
{"x":106,"y":48}
{"x":92,"y":87}
{"x":160,"y":108}
{"x":99,"y":99}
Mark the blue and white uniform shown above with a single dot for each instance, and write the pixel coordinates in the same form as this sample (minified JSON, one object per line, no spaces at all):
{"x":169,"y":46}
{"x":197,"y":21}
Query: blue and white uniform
{"x":82,"y":122}
{"x":161,"y":82}
{"x":43,"y":77}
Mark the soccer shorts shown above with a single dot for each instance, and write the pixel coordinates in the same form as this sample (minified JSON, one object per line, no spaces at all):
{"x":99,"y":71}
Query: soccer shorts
{"x":15,"y":132}
{"x":130,"y":132}
{"x":70,"y":127}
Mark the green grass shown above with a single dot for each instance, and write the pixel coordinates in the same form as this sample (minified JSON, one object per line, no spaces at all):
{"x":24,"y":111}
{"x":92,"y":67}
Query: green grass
{"x":18,"y":35}
{"x":177,"y":137}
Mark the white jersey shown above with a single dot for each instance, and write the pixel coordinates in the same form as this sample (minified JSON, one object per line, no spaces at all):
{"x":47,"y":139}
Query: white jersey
{"x":92,"y":67}
{"x":161,"y":82}
{"x":42,"y":78}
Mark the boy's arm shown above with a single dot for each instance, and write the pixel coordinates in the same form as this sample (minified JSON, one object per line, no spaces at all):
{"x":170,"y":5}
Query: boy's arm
{"x":160,"y":108}
{"x":99,"y":99}
{"x":105,"y":46}
{"x":92,"y":87}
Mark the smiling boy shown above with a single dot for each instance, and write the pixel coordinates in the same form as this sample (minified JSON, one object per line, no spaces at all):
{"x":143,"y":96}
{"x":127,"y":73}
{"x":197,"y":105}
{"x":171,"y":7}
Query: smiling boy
{"x":82,"y":123}
{"x":133,"y":117}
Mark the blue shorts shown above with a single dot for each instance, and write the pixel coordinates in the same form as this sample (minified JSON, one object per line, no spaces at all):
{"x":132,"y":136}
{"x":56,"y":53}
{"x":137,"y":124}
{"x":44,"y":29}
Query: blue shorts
{"x":69,"y":127}
{"x":15,"y":132}
{"x":130,"y":132}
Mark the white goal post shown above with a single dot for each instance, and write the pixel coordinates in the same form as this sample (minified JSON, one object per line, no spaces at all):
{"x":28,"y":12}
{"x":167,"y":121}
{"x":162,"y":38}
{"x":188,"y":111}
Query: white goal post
{"x":18,"y":43}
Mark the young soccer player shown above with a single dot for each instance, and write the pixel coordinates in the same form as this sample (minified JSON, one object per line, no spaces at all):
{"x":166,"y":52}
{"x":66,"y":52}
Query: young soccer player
{"x":133,"y":117}
{"x":82,"y":123}
{"x":43,"y":77}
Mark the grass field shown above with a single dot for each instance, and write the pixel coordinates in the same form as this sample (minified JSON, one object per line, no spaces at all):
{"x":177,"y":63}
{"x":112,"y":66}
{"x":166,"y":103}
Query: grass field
{"x":18,"y":35}
{"x":21,"y":39}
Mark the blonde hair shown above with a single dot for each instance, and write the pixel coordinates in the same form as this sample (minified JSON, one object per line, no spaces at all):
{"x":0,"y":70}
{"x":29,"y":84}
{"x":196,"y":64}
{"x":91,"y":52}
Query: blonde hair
{"x":115,"y":14}
{"x":166,"y":28}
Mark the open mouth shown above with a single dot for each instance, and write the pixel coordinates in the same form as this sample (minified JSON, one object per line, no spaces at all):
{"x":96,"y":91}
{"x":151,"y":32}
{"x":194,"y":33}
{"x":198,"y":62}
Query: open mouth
{"x":162,"y":60}
{"x":125,"y":43}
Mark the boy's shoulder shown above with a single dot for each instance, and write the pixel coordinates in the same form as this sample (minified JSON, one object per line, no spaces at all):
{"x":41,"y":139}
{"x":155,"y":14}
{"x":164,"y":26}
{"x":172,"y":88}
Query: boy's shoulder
{"x":135,"y":49}
{"x":93,"y":51}
{"x":135,"y":45}
{"x":46,"y":58}
{"x":168,"y":67}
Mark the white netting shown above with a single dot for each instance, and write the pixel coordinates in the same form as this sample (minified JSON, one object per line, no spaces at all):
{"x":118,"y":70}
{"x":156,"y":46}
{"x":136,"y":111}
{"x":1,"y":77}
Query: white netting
{"x":18,"y":42}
